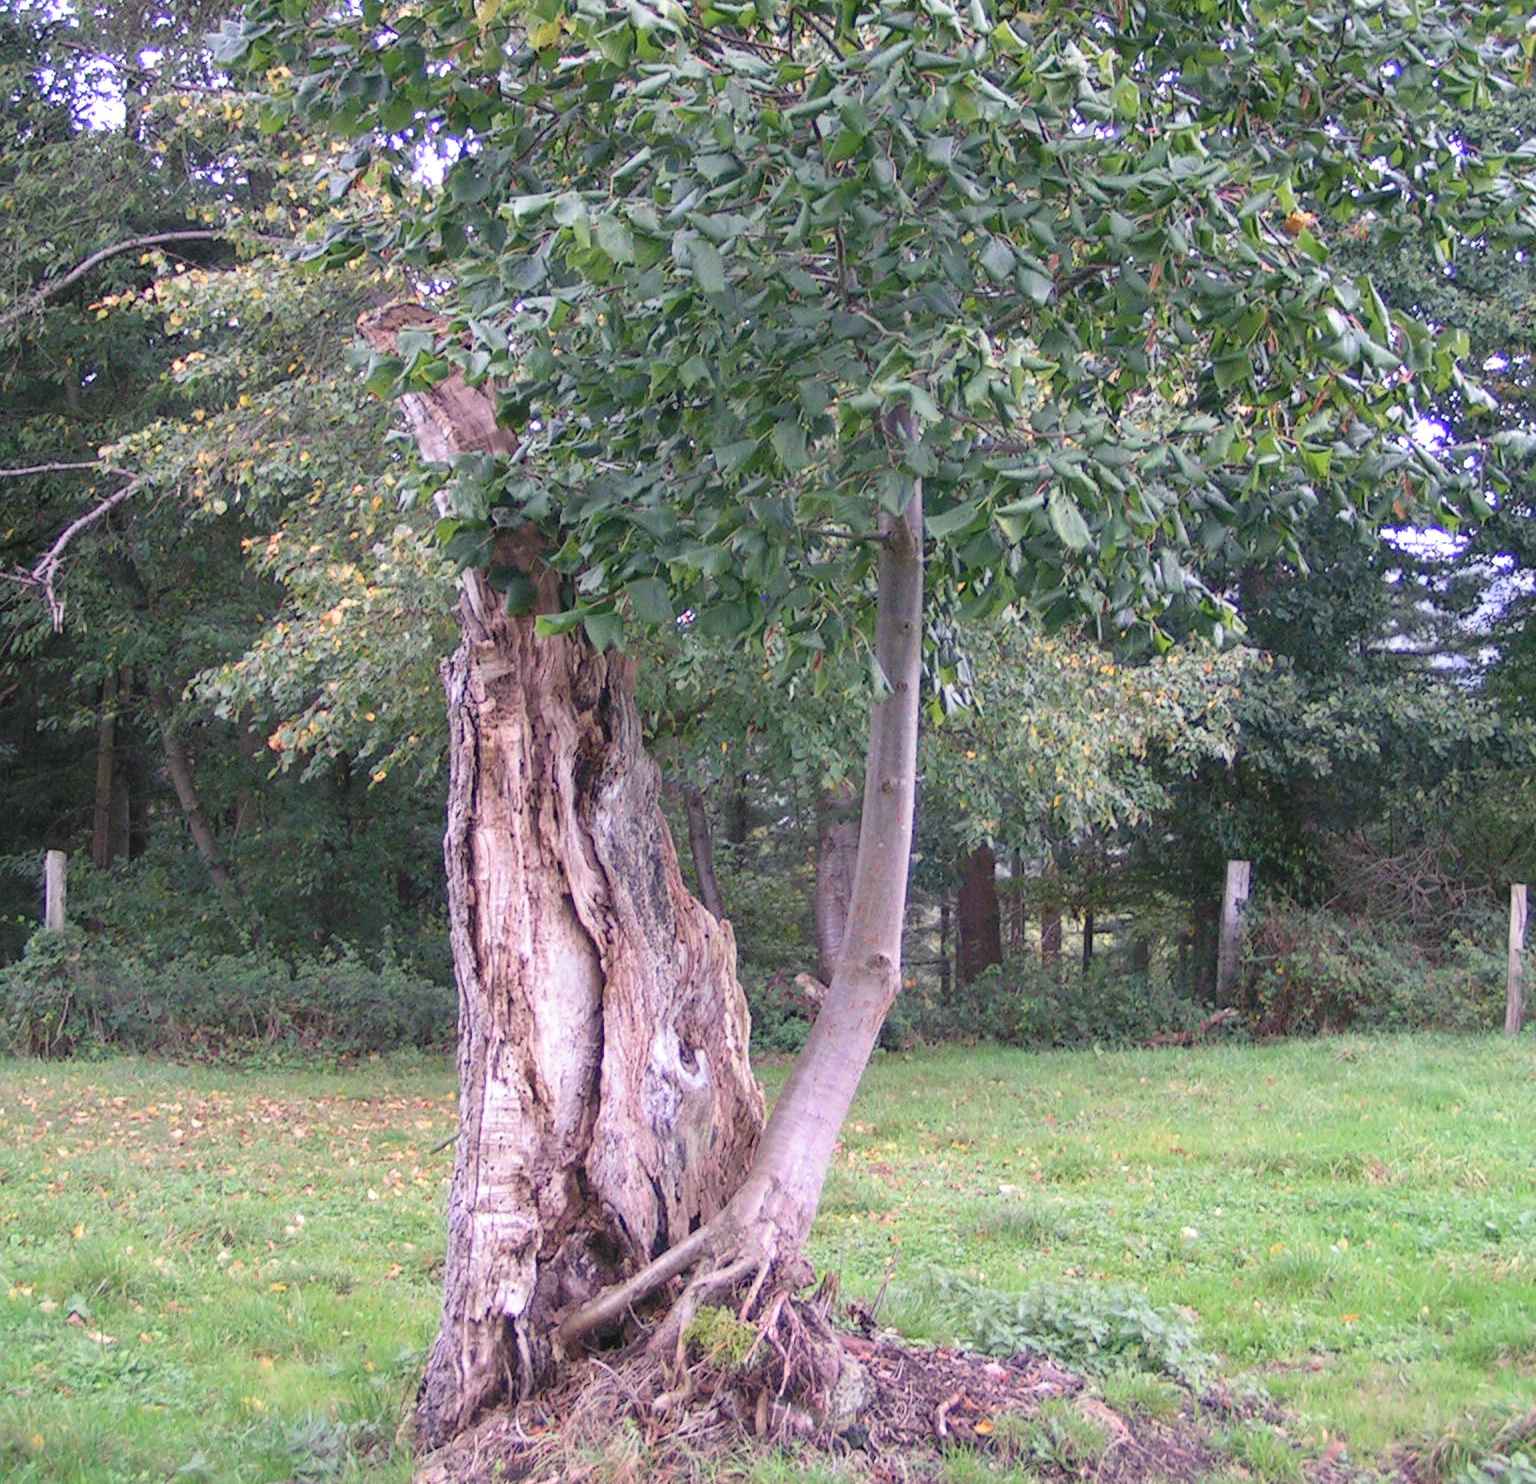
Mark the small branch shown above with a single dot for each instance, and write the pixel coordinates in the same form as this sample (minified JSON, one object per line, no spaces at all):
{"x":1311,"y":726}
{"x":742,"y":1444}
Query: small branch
{"x":876,"y":538}
{"x":33,"y":469}
{"x":816,"y":26}
{"x":612,"y":1304}
{"x":46,"y":569}
{"x":55,"y":286}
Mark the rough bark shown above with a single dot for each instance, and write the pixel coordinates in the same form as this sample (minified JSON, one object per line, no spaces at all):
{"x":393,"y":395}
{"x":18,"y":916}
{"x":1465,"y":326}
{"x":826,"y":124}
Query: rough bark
{"x":763,"y":1229}
{"x":980,"y":924}
{"x":837,"y":852}
{"x":701,"y":846}
{"x":607,"y":1108}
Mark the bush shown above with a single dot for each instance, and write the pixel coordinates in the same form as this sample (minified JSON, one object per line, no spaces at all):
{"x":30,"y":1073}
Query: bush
{"x":72,"y":992}
{"x":1311,"y":971}
{"x":1086,"y":1326}
{"x":1036,"y":1004}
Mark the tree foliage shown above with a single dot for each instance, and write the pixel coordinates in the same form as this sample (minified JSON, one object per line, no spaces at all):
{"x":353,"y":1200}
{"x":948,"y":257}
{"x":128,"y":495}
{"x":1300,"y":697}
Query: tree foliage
{"x":707,"y":251}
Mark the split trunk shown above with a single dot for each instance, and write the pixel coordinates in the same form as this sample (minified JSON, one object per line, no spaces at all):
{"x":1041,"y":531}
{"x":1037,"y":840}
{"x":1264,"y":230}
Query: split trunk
{"x":607,"y":1106}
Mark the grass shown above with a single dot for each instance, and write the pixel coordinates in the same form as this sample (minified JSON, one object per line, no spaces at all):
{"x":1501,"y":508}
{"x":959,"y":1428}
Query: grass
{"x":218,"y":1275}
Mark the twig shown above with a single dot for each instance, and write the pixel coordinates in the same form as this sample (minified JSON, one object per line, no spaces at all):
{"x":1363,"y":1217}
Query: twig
{"x":32,"y":469}
{"x":872,"y":536}
{"x":46,"y":569}
{"x":54,"y":286}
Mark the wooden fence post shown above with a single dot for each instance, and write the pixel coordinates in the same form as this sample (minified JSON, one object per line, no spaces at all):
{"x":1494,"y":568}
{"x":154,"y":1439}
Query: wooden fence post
{"x":1514,"y":1011}
{"x":1234,"y":898}
{"x":53,"y":890}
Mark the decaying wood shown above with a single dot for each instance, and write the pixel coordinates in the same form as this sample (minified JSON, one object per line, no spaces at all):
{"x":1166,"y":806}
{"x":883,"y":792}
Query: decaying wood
{"x":607,"y":1107}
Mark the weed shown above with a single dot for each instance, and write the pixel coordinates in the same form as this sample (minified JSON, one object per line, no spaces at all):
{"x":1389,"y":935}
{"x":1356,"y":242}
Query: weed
{"x":1058,"y":1436}
{"x":1266,"y":1454}
{"x":719,"y":1336}
{"x":1080,"y":1324}
{"x":1139,"y":1393}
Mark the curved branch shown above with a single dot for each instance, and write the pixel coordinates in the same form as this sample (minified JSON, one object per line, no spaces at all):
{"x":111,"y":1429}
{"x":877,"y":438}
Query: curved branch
{"x":34,"y":469}
{"x":54,"y":286}
{"x":47,"y":566}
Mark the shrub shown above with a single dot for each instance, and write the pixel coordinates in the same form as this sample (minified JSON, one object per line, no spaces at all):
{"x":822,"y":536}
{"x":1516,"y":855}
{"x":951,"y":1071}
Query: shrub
{"x":1035,"y":1004}
{"x":1309,"y":970}
{"x":73,"y":991}
{"x":1083,"y":1325}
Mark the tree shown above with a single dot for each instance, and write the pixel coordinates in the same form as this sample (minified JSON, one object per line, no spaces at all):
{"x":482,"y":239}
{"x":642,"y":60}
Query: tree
{"x":200,"y":460}
{"x":757,"y":288}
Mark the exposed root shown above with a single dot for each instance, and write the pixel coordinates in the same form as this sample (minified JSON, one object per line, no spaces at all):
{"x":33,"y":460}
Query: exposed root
{"x":867,"y":1408}
{"x":613,"y":1305}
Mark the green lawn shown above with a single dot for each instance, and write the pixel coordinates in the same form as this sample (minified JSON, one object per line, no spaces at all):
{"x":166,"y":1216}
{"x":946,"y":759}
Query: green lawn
{"x":232,"y":1275}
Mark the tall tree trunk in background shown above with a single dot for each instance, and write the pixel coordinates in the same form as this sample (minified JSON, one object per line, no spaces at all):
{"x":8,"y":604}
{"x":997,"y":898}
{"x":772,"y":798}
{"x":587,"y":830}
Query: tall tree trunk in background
{"x":1050,"y":936}
{"x":980,"y":927}
{"x":606,"y":1104}
{"x":179,"y":766}
{"x":702,"y":847}
{"x":1087,"y":939}
{"x":837,"y":853}
{"x":102,"y":852}
{"x":130,"y":786}
{"x":1204,"y":943}
{"x":764,"y":1227}
{"x":738,"y":813}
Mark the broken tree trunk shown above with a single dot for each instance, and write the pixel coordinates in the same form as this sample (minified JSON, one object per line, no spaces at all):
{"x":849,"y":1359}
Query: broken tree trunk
{"x":761,"y":1232}
{"x":606,"y":1105}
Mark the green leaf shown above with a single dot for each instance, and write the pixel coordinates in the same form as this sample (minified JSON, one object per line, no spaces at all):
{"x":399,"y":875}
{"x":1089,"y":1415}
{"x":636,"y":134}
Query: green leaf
{"x":707,"y":265}
{"x":652,"y":603}
{"x":615,"y":239}
{"x":951,"y":522}
{"x":789,"y":444}
{"x":729,"y":457}
{"x":997,"y":258}
{"x":520,"y":594}
{"x":726,"y":620}
{"x":605,"y":630}
{"x":552,"y":625}
{"x":1037,"y":285}
{"x":1068,"y":523}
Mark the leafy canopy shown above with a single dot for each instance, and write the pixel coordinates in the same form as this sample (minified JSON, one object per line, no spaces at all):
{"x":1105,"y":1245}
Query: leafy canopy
{"x":708,"y":249}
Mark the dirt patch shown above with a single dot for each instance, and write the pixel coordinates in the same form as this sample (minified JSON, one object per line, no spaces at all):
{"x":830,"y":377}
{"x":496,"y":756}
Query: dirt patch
{"x":897,"y":1413}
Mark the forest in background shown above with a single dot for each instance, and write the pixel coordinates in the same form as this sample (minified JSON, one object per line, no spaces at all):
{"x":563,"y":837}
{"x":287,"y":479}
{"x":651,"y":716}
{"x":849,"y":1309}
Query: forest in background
{"x":223,"y":700}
